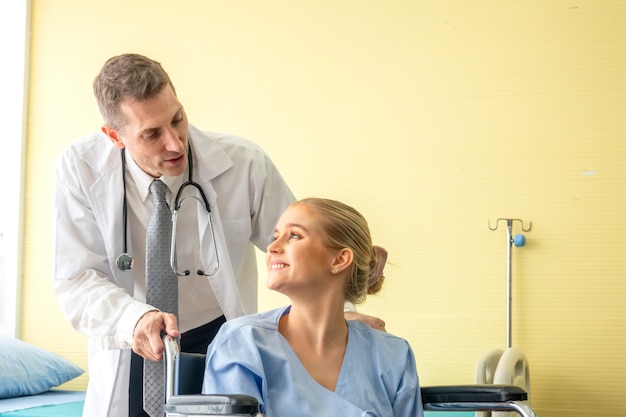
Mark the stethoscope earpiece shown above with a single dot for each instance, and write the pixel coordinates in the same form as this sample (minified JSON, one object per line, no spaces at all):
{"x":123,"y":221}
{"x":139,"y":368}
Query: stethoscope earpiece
{"x":124,"y":262}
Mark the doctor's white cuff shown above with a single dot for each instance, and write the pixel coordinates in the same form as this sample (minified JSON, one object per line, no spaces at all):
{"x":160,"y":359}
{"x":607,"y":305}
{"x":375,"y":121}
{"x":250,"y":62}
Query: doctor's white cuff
{"x":348,"y":306}
{"x":123,"y":337}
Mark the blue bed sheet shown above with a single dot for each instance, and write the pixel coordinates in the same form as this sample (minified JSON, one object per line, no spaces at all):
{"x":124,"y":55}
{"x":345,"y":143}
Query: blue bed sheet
{"x":74,"y":409}
{"x":53,"y":403}
{"x":58,"y":403}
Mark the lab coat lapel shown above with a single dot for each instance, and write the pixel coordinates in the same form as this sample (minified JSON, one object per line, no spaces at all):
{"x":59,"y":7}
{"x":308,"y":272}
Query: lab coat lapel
{"x":209,"y":162}
{"x":108,"y":195}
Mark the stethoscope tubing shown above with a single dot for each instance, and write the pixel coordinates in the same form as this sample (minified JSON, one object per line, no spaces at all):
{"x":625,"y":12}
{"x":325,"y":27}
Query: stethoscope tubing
{"x":125,"y":260}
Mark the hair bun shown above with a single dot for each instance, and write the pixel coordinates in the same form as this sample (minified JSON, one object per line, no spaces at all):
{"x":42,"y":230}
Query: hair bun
{"x":377,"y":265}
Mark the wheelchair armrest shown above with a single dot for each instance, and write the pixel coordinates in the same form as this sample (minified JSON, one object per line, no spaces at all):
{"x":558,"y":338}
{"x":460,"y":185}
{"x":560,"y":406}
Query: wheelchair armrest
{"x":183,"y":384}
{"x":473,"y":393}
{"x":209,"y":405}
{"x":477,"y":397}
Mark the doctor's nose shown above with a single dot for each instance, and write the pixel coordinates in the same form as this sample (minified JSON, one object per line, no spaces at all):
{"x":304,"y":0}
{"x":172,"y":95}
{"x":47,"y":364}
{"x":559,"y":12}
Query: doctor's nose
{"x":173,"y":142}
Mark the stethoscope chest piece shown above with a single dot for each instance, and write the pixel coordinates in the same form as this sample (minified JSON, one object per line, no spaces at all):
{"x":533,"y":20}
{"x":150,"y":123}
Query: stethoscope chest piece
{"x":124,"y":262}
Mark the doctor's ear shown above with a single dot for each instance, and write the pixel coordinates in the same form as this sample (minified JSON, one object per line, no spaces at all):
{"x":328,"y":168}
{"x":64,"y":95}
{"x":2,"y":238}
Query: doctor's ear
{"x":114,"y":135}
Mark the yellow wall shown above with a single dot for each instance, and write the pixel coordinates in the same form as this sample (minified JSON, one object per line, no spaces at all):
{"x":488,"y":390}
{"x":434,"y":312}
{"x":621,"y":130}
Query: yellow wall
{"x":432,"y":118}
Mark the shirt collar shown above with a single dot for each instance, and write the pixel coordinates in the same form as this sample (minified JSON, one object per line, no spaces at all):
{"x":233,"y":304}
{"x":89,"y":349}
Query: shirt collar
{"x":143,"y":180}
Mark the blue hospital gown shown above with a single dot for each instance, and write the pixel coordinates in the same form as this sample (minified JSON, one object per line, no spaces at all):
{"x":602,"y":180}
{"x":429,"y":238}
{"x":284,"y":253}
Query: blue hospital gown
{"x":378,"y":377}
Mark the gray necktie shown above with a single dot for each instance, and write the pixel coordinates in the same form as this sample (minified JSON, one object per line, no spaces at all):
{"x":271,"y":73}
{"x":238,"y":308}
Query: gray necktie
{"x":161,"y":290}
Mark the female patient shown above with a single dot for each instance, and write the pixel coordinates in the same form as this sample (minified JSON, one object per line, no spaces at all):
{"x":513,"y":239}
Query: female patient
{"x":305,"y":360}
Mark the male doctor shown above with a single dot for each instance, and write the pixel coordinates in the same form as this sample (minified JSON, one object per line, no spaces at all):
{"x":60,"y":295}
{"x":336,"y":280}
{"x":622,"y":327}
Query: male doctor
{"x":102,"y":205}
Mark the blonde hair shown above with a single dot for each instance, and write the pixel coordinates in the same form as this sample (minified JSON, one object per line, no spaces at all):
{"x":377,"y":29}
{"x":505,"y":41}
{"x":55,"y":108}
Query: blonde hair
{"x":344,"y":227}
{"x":127,"y":76}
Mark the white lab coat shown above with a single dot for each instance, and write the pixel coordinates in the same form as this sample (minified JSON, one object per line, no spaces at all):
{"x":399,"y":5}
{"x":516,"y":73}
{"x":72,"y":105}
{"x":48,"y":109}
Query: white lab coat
{"x":247,"y":196}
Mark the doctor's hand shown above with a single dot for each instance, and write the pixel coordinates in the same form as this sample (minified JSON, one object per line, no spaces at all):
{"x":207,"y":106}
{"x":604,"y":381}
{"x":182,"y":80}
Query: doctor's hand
{"x":371,"y":321}
{"x":147,"y":340}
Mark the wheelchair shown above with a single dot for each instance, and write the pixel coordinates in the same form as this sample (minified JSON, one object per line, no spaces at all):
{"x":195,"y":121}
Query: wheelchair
{"x":184,"y":374}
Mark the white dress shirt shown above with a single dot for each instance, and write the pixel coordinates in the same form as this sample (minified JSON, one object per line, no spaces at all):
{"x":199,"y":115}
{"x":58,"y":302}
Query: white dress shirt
{"x":194,"y":291}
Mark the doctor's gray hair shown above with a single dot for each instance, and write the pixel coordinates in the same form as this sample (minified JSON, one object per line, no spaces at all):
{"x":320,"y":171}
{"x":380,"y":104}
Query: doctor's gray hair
{"x":127,"y":76}
{"x":344,"y":227}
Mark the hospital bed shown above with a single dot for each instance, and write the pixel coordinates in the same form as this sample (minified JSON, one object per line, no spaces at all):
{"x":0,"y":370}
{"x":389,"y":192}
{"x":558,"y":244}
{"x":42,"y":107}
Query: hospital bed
{"x":184,"y":374}
{"x":29,"y":377}
{"x":52,"y":403}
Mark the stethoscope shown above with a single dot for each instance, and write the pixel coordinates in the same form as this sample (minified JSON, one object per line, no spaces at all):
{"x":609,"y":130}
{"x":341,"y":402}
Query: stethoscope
{"x":125,"y":261}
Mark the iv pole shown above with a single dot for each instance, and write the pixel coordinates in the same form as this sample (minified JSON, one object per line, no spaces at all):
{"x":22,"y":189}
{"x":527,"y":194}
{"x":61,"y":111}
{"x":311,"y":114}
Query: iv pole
{"x":519,"y":241}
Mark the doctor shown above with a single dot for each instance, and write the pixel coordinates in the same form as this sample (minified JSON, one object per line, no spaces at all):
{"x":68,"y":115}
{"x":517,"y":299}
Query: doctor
{"x":101,"y":209}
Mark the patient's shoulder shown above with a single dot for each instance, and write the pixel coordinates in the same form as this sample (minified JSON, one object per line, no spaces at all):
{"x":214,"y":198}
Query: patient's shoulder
{"x":266,"y":321}
{"x":364,"y":335}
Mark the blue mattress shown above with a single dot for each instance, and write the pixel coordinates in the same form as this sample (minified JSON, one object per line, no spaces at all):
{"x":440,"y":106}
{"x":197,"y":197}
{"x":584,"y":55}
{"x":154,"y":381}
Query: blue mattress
{"x":53,"y":403}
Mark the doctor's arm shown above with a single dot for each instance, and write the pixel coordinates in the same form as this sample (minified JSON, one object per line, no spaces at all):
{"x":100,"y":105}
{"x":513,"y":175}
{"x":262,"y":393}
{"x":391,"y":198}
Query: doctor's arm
{"x":99,"y":309}
{"x":350,"y":313}
{"x":89,"y":297}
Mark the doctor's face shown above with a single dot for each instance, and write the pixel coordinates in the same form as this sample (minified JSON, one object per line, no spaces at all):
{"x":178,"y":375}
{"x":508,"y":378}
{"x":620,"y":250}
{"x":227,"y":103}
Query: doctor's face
{"x":155,"y":133}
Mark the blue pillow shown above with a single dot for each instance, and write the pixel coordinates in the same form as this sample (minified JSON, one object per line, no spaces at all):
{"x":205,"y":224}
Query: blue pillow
{"x":28,"y":370}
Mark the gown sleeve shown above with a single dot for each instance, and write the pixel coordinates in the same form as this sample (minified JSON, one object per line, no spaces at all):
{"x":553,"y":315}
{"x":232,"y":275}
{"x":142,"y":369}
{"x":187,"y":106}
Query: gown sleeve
{"x":233,"y":365}
{"x":408,"y":401}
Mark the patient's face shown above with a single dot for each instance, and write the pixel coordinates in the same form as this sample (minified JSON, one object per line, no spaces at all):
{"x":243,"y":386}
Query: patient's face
{"x":297,"y":261}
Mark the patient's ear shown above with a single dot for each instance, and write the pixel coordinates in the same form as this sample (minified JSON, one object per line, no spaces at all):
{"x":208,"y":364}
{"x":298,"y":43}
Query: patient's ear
{"x":342,"y":260}
{"x":114,"y":135}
